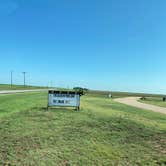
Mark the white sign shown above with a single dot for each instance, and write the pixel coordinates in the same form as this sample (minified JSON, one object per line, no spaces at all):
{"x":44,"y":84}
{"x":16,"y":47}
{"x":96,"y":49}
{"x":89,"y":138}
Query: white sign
{"x":63,"y":98}
{"x":110,"y":95}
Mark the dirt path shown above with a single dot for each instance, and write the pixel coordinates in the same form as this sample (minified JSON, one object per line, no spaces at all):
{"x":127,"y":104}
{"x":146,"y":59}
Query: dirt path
{"x":133,"y":101}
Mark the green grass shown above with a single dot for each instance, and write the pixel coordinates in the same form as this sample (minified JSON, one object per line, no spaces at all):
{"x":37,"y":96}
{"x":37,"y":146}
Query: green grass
{"x":154,"y":101}
{"x":101,"y":133}
{"x":119,"y":94}
{"x":18,"y":87}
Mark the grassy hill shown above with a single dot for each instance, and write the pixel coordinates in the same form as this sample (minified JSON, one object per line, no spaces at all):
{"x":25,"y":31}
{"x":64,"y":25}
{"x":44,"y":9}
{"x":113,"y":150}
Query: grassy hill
{"x":103,"y":132}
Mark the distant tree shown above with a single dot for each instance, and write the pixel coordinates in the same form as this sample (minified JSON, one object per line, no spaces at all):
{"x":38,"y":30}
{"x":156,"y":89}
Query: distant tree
{"x":81,"y":90}
{"x":85,"y":89}
{"x":143,"y":98}
{"x":77,"y":88}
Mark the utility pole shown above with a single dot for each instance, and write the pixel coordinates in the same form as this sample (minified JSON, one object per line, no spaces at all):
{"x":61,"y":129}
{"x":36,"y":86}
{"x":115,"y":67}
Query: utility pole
{"x":24,"y":73}
{"x":51,"y":84}
{"x":11,"y":78}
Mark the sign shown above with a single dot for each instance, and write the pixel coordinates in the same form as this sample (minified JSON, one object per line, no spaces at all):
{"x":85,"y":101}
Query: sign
{"x":63,"y":98}
{"x":110,"y":95}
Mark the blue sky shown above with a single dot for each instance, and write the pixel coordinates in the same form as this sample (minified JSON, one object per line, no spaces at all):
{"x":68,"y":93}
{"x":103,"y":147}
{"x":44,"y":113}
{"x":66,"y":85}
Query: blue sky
{"x":99,"y":44}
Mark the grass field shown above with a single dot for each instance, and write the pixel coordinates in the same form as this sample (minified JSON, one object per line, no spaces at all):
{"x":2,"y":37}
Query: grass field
{"x":18,"y":87}
{"x":120,"y":94}
{"x":101,"y":133}
{"x":154,"y":101}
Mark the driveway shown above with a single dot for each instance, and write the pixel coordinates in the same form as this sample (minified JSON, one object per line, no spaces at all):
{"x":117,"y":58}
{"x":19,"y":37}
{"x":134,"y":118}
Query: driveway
{"x":133,"y":101}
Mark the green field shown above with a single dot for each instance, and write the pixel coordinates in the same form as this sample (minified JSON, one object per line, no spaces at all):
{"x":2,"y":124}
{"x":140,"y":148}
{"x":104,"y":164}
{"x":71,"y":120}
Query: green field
{"x":120,"y":94}
{"x":18,"y":87}
{"x":154,"y":101}
{"x":101,"y":133}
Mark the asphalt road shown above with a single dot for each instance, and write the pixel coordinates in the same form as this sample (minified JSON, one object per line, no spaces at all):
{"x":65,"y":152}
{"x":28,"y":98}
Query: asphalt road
{"x":21,"y":91}
{"x":133,"y":101}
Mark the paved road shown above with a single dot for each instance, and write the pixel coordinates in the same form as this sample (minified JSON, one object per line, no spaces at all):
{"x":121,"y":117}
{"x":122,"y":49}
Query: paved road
{"x":133,"y":101}
{"x":21,"y":91}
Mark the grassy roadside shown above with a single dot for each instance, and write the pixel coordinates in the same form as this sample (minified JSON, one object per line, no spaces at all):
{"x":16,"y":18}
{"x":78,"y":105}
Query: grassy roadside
{"x":154,"y":101}
{"x":18,"y":87}
{"x":102,"y":133}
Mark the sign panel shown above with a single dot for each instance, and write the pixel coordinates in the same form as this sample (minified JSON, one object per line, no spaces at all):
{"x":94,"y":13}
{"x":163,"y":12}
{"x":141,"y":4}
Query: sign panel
{"x":63,"y":98}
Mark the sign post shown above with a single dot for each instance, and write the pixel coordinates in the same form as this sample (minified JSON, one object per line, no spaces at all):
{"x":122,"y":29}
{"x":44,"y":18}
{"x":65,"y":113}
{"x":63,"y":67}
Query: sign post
{"x":64,"y":99}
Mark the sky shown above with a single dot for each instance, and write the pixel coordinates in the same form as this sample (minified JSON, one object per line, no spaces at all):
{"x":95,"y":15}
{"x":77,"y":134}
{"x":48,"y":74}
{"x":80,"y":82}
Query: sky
{"x":98,"y":44}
